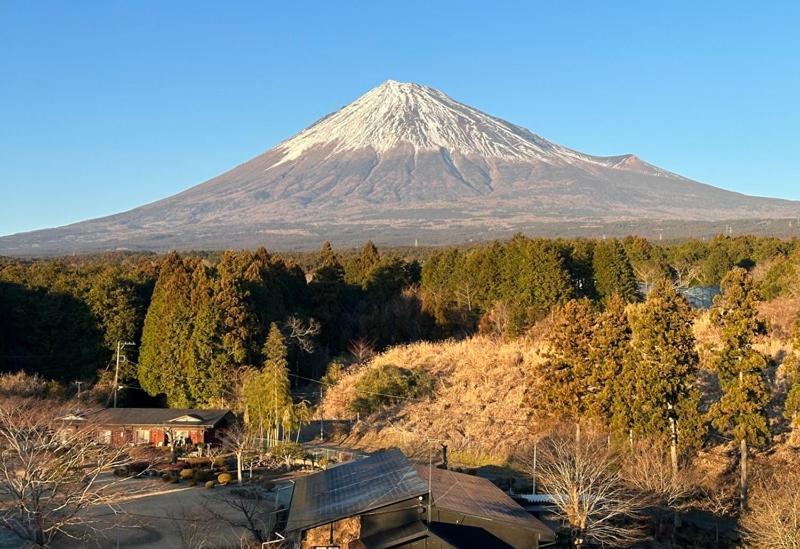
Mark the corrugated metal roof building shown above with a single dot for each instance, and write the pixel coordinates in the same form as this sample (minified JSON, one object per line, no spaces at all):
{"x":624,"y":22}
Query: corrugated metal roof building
{"x":385,"y":501}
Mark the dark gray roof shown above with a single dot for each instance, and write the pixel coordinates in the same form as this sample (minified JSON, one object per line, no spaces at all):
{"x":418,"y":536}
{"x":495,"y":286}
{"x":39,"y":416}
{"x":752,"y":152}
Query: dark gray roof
{"x":479,"y":497}
{"x":440,"y":533}
{"x":459,"y":535}
{"x":393,"y":537}
{"x":184,"y":417}
{"x":353,"y":488}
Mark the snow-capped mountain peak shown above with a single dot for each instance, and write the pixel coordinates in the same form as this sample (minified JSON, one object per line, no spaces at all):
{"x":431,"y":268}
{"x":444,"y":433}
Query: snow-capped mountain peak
{"x":405,"y":162}
{"x":396,"y":113}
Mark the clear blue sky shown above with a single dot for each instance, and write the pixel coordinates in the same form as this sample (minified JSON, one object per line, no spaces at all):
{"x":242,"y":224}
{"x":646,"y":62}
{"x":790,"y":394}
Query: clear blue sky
{"x":108,"y":105}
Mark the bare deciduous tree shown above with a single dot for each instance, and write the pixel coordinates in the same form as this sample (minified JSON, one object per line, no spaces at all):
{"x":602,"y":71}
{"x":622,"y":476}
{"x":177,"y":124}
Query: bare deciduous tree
{"x":650,"y":472}
{"x":585,"y":481}
{"x":240,"y":441}
{"x":254,"y":513}
{"x":361,"y":350}
{"x":684,"y":274}
{"x":302,"y":332}
{"x":773,"y":517}
{"x":50,"y":474}
{"x":720,"y":501}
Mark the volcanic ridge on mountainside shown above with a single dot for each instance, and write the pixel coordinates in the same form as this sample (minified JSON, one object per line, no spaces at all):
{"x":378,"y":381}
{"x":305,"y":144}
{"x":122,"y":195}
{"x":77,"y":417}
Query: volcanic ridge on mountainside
{"x":405,"y":163}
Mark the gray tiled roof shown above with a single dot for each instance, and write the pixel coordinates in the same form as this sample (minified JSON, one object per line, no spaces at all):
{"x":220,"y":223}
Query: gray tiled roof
{"x":158,"y":416}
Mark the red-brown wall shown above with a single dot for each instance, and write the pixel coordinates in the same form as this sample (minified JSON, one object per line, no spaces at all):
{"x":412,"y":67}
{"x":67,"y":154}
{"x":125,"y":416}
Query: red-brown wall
{"x":122,"y":435}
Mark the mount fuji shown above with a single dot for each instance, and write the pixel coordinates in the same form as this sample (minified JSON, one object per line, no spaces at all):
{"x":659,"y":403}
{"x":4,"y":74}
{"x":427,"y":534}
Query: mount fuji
{"x":405,"y":163}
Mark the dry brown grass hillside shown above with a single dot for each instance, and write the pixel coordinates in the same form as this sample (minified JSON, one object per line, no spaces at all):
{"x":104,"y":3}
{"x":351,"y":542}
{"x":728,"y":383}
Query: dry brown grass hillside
{"x":478,"y":407}
{"x":481,"y":406}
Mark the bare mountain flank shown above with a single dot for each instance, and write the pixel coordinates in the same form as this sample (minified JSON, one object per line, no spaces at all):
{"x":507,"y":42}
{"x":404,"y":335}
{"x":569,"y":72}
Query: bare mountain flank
{"x":406,"y":163}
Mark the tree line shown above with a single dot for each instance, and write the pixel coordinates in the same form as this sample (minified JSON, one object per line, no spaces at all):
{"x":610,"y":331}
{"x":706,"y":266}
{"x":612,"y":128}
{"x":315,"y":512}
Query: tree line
{"x":195,"y":318}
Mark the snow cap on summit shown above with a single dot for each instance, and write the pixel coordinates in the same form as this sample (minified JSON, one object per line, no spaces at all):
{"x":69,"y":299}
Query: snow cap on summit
{"x":396,"y":113}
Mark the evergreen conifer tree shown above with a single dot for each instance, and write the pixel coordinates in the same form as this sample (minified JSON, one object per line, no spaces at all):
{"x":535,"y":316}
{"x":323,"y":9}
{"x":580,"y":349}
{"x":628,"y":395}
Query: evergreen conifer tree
{"x":610,"y":351}
{"x":167,"y":332}
{"x":568,"y":371}
{"x":534,"y":279}
{"x":741,"y":369}
{"x":204,"y":362}
{"x":656,"y":397}
{"x":613,"y":273}
{"x":792,"y":370}
{"x":327,"y":288}
{"x":231,"y":299}
{"x":368,"y":259}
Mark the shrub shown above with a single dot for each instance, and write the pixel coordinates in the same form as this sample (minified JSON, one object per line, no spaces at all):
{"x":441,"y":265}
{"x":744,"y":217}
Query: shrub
{"x":287,"y":452}
{"x":218,"y":461}
{"x":186,"y":474}
{"x":209,"y":484}
{"x":24,"y":385}
{"x":333,"y":374}
{"x":166,"y":478}
{"x":780,"y":278}
{"x":137,"y":467}
{"x":388,"y":384}
{"x":192,"y":482}
{"x":202,"y":475}
{"x":224,"y":478}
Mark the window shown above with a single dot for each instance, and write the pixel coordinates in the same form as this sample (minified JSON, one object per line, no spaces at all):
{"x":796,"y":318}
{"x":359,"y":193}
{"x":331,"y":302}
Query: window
{"x":142,"y":436}
{"x":105,"y":437}
{"x":181,"y":437}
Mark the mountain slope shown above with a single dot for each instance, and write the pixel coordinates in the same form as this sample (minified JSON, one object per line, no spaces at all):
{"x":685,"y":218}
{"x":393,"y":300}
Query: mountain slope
{"x":406,"y":162}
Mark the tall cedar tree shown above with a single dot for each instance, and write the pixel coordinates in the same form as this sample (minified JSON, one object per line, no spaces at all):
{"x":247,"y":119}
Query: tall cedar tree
{"x":613,"y":273}
{"x":367,"y":260}
{"x":742,"y":370}
{"x":533,"y":279}
{"x":167,"y":332}
{"x":327,"y":290}
{"x":657,"y":397}
{"x":610,"y":351}
{"x":233,"y":301}
{"x":792,"y":366}
{"x":196,"y":332}
{"x":568,"y":371}
{"x":114,"y":298}
{"x":204,"y":363}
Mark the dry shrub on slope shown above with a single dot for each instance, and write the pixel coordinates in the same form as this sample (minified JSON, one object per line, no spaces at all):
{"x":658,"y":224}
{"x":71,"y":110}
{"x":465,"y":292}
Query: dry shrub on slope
{"x":478,"y":408}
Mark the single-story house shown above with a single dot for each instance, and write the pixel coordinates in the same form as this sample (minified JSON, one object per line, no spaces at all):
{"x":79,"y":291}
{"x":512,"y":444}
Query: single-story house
{"x":158,"y":426}
{"x":385,"y":501}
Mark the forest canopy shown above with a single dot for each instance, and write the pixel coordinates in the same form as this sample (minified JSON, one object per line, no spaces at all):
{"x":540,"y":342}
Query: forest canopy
{"x":195,"y":318}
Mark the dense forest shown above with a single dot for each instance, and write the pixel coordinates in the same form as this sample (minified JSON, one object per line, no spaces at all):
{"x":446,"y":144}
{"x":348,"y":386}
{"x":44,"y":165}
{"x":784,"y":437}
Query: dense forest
{"x":191,"y":321}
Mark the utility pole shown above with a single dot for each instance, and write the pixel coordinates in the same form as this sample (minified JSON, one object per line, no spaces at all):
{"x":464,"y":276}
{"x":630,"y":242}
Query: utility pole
{"x":430,"y":483}
{"x":120,"y":346}
{"x":321,"y":419}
